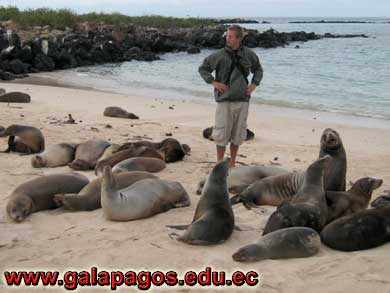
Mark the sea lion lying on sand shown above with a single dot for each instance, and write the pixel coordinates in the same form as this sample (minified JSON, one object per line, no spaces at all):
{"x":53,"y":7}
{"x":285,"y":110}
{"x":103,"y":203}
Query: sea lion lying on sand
{"x":38,"y":194}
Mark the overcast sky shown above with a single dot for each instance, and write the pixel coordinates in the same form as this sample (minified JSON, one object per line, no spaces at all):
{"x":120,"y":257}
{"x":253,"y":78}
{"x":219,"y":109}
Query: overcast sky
{"x":218,"y":8}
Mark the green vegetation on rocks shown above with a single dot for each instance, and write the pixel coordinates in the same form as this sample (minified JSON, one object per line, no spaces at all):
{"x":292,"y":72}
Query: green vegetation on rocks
{"x":61,"y":18}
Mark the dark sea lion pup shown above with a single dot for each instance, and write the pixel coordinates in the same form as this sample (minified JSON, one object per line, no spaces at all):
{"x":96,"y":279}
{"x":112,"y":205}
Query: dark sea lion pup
{"x":30,"y":137}
{"x":362,"y":230}
{"x":308,"y":208}
{"x":38,"y":194}
{"x":213,"y":221}
{"x":285,"y":243}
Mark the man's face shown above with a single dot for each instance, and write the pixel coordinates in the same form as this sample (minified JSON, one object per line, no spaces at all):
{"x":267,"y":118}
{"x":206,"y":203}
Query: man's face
{"x":231,"y":40}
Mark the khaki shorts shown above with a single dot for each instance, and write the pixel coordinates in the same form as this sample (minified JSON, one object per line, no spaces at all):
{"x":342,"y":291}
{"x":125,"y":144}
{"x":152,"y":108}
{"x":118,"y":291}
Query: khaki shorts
{"x":230,"y":123}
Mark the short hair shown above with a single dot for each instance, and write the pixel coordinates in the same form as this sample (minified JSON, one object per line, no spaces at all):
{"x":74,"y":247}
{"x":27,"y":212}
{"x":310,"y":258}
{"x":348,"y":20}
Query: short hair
{"x":238,"y":30}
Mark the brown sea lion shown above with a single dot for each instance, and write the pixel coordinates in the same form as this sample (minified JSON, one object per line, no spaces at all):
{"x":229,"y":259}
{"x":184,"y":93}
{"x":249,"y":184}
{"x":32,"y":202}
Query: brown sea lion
{"x":31,"y":137}
{"x":89,"y":198}
{"x":308,"y":207}
{"x":142,"y":199}
{"x":213,"y":221}
{"x":171,"y":148}
{"x":55,"y":156}
{"x":37,"y":194}
{"x":87,"y":154}
{"x":15,"y":97}
{"x":357,"y":198}
{"x":119,"y":156}
{"x":119,"y":113}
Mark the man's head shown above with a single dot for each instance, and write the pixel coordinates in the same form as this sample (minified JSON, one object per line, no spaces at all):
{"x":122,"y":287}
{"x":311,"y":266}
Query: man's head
{"x":234,"y":36}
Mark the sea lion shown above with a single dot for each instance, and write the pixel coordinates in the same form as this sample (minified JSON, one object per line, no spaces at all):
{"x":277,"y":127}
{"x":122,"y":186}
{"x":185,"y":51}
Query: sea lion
{"x":30,"y":136}
{"x":108,"y":152}
{"x":171,"y":148}
{"x":37,"y":194}
{"x":271,"y":190}
{"x":308,"y":207}
{"x":55,"y":156}
{"x":119,"y":156}
{"x":381,"y":201}
{"x":242,"y":176}
{"x":213,"y":221}
{"x":89,"y":198}
{"x":357,"y":198}
{"x":290,"y":242}
{"x":87,"y":154}
{"x":331,"y":144}
{"x":15,"y":97}
{"x":142,"y":199}
{"x":362,"y":230}
{"x":140,"y":164}
{"x":1,"y":129}
{"x":119,"y":113}
{"x":209,"y":130}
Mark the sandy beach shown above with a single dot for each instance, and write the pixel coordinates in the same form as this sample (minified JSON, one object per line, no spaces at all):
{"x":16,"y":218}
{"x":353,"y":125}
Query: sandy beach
{"x":61,"y":240}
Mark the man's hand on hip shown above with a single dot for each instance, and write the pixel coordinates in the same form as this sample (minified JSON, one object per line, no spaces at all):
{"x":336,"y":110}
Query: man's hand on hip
{"x":251,"y":88}
{"x":220,"y":86}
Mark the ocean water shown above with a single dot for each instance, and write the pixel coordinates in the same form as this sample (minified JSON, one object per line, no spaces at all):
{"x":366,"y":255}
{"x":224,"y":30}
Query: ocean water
{"x":349,"y":76}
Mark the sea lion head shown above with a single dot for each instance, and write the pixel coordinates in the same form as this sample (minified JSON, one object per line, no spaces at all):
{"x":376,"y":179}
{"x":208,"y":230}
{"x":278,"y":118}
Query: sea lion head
{"x":10,"y":130}
{"x":330,"y":139}
{"x":219,"y":173}
{"x":19,"y":208}
{"x":38,"y":162}
{"x":79,"y":165}
{"x":380,"y":202}
{"x":368,"y":184}
{"x":207,"y":133}
{"x":248,"y":253}
{"x":172,"y":149}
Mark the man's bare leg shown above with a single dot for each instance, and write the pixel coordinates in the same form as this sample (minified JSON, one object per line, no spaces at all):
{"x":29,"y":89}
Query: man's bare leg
{"x":233,"y":154}
{"x":220,"y":152}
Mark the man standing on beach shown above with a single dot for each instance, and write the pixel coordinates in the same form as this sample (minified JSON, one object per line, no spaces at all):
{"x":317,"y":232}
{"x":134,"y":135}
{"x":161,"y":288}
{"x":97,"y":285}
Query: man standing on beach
{"x":232,"y":90}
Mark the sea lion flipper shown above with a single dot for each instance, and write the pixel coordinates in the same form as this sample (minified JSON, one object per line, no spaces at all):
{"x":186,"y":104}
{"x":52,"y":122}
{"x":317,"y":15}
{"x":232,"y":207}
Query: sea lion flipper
{"x":249,"y":205}
{"x":178,"y":227}
{"x":174,"y":236}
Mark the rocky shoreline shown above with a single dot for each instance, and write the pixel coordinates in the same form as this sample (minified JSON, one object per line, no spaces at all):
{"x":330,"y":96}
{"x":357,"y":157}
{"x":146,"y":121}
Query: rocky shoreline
{"x":91,"y":44}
